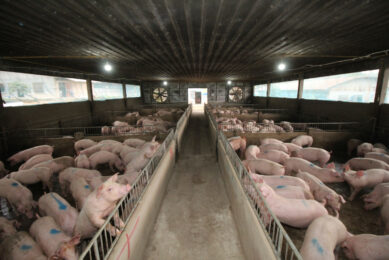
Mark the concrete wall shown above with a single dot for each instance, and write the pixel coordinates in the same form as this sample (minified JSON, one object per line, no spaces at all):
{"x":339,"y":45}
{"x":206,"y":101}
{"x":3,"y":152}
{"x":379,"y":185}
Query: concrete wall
{"x":178,"y":91}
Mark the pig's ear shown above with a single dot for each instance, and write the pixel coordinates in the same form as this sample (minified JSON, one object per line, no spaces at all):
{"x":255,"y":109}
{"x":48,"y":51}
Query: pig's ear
{"x":331,"y":165}
{"x":75,"y":240}
{"x":113,"y":178}
{"x":99,"y":190}
{"x":341,"y":199}
{"x":153,"y":140}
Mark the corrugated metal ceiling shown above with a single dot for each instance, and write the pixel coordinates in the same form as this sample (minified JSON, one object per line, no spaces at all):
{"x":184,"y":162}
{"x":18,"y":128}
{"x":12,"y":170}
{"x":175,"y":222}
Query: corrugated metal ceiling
{"x":198,"y":40}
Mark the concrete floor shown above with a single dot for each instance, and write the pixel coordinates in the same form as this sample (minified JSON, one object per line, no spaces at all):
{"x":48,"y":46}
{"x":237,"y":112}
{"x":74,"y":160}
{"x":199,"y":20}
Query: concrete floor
{"x":195,"y":220}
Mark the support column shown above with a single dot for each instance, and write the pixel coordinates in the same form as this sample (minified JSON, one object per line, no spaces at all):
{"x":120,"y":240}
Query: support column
{"x":90,"y":97}
{"x":124,"y":95}
{"x":267,"y":94}
{"x":379,"y":97}
{"x":300,"y":93}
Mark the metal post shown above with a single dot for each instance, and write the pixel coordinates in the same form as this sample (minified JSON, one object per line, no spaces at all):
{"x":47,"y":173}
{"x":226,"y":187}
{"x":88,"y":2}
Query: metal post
{"x":124,"y":95}
{"x":267,"y":94}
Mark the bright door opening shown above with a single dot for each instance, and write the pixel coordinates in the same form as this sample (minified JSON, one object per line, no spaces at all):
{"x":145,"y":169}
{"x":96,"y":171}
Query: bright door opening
{"x":197,"y":97}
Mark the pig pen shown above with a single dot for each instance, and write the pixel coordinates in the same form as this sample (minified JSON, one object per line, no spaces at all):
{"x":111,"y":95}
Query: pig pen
{"x":335,"y":138}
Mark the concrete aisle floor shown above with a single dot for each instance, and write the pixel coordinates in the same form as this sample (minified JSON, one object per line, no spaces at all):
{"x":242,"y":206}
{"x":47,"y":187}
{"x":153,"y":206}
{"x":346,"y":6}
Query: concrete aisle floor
{"x":195,"y":220}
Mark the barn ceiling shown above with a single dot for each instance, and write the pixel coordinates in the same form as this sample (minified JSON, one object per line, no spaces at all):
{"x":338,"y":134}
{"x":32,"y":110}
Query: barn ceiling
{"x":197,"y":40}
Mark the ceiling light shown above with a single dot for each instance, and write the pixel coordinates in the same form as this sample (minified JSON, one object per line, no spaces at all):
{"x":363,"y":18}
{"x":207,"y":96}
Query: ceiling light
{"x":281,"y":66}
{"x":107,"y":67}
{"x":229,"y":82}
{"x":165,"y":83}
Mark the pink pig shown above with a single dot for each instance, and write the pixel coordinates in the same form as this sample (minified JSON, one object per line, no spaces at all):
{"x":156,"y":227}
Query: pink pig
{"x":361,"y":179}
{"x":32,"y":176}
{"x":294,"y":212}
{"x":364,"y":148}
{"x":374,"y":199}
{"x":57,"y":164}
{"x":83,"y":144}
{"x":98,"y":205}
{"x":366,"y":247}
{"x":321,"y":238}
{"x":28,"y":153}
{"x":303,"y":140}
{"x":326,"y":175}
{"x":292,"y":147}
{"x":252,"y":152}
{"x":271,"y":141}
{"x":103,"y":157}
{"x":51,"y":204}
{"x":18,"y":196}
{"x":314,"y":154}
{"x":238,"y":143}
{"x":263,"y":166}
{"x":35,"y":160}
{"x":322,"y":193}
{"x":140,"y":161}
{"x":65,"y":177}
{"x":365,"y":164}
{"x":82,"y":161}
{"x":378,"y":156}
{"x":21,"y":246}
{"x":53,"y":241}
{"x":274,"y":155}
{"x":273,"y":146}
{"x":134,"y":142}
{"x":80,"y":189}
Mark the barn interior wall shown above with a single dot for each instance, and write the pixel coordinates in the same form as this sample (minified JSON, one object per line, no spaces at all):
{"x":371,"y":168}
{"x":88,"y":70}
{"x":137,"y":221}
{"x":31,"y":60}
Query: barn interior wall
{"x":178,"y":91}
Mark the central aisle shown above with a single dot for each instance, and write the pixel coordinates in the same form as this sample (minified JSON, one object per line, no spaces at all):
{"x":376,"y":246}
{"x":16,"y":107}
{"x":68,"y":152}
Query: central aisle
{"x":195,"y":220}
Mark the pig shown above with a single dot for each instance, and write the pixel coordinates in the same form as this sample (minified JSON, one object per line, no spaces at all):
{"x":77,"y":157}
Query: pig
{"x":7,"y":228}
{"x":52,"y":204}
{"x":35,"y":160}
{"x":18,"y":196}
{"x":274,"y":155}
{"x":98,"y":205}
{"x":109,"y":141}
{"x":314,"y":154}
{"x":364,"y":148}
{"x":128,"y":177}
{"x":91,"y":150}
{"x":130,"y":156}
{"x":21,"y":246}
{"x":238,"y":143}
{"x":3,"y":170}
{"x":83,"y":144}
{"x":52,"y":240}
{"x":321,"y":238}
{"x":379,"y":150}
{"x":263,"y":166}
{"x":385,"y":213}
{"x":287,"y":126}
{"x":105,"y":130}
{"x":65,"y":177}
{"x":378,"y":156}
{"x":82,"y":161}
{"x":297,"y":213}
{"x":32,"y":176}
{"x":127,"y":149}
{"x":292,"y":147}
{"x":132,"y":114}
{"x":80,"y":189}
{"x":303,"y":140}
{"x":251,"y":152}
{"x":380,"y":145}
{"x":358,"y":180}
{"x":365,"y":164}
{"x":271,"y":141}
{"x":273,"y":146}
{"x":326,"y":175}
{"x":134,"y":142}
{"x":57,"y":164}
{"x":352,"y":145}
{"x":140,"y":161}
{"x":373,"y":199}
{"x":28,"y":153}
{"x":322,"y":193}
{"x":366,"y":247}
{"x":103,"y":157}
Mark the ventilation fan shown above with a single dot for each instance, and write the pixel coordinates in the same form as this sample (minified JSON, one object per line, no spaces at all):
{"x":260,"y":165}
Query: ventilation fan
{"x":160,"y":95}
{"x":235,"y":94}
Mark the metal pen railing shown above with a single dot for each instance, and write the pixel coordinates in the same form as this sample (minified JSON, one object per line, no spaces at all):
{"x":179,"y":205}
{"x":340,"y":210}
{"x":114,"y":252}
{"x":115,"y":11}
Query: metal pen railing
{"x":103,"y":242}
{"x":281,"y":243}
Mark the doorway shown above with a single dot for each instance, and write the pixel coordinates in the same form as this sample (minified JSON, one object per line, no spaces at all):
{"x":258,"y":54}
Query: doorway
{"x":198,"y":97}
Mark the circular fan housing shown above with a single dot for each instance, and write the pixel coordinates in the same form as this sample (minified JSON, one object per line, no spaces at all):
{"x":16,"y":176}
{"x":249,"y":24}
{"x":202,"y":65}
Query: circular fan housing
{"x":160,"y":95}
{"x":235,"y":94}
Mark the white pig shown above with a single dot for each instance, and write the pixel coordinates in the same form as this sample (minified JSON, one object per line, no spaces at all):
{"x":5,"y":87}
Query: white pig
{"x":274,"y":155}
{"x":303,"y":140}
{"x":52,"y":204}
{"x":366,"y":247}
{"x":28,"y":153}
{"x":65,"y":177}
{"x":364,"y":148}
{"x":273,"y":146}
{"x":21,"y":246}
{"x":373,"y":199}
{"x":53,"y":241}
{"x":365,"y":164}
{"x":57,"y":164}
{"x":251,"y":152}
{"x":263,"y":166}
{"x":271,"y":141}
{"x":35,"y":160}
{"x":103,"y":157}
{"x":292,"y":147}
{"x":98,"y":205}
{"x":378,"y":156}
{"x":80,"y":189}
{"x":32,"y":176}
{"x":82,"y":161}
{"x":83,"y":144}
{"x":321,"y":238}
{"x":314,"y":154}
{"x":134,"y":142}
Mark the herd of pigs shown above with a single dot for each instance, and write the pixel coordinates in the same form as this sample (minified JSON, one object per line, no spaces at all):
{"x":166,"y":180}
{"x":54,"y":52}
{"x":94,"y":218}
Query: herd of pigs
{"x":227,"y":121}
{"x":78,"y":197}
{"x":292,"y":177}
{"x":149,"y":123}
